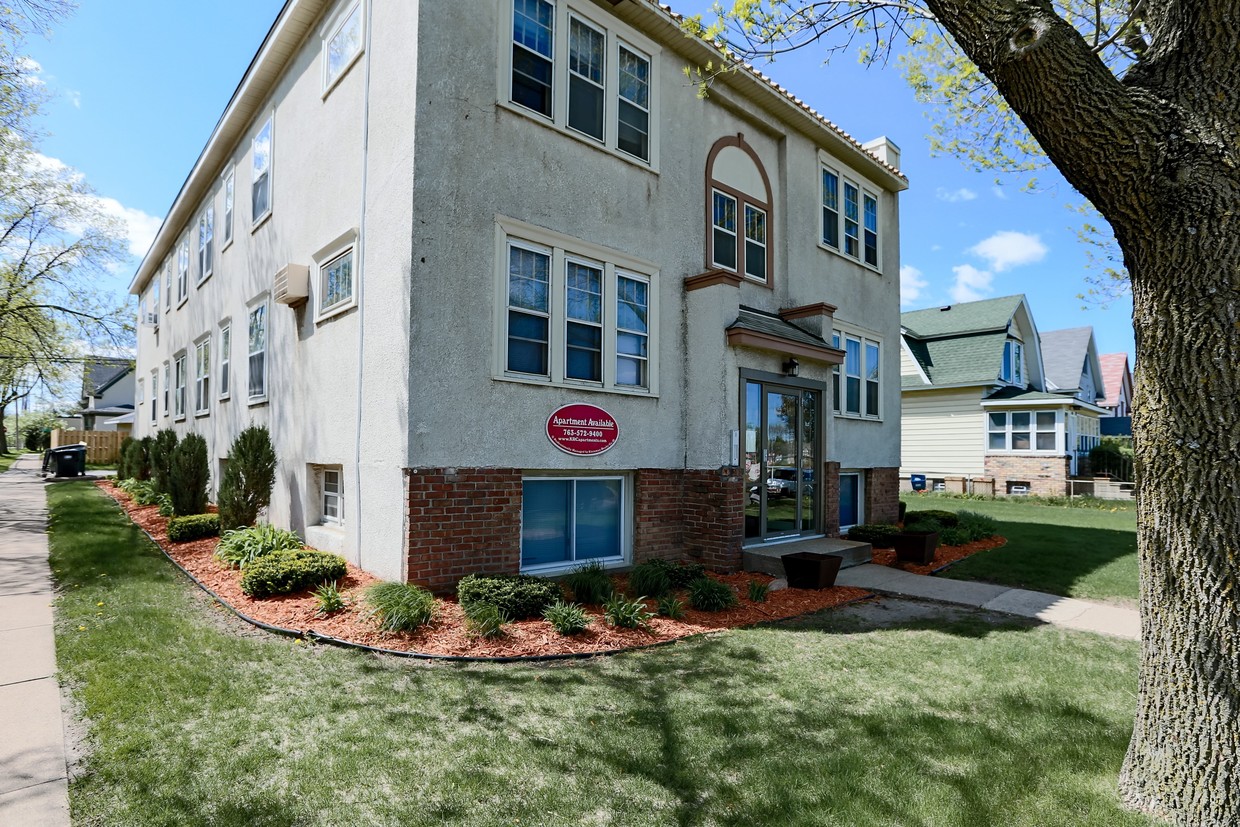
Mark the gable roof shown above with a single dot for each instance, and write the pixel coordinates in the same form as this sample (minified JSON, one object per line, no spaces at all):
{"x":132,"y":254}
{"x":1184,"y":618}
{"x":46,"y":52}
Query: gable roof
{"x":959,"y":344}
{"x":102,"y":372}
{"x":987,"y":315}
{"x":1114,"y":369}
{"x":1063,"y":356}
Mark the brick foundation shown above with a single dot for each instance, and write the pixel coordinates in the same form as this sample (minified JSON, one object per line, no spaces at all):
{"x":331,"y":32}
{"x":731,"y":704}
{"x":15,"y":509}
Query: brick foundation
{"x":831,"y":499}
{"x":882,"y":495}
{"x":468,"y":520}
{"x":1046,"y":475}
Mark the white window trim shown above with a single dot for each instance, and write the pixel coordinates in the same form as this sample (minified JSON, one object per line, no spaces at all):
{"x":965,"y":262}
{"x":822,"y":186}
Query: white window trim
{"x":1060,"y":435}
{"x":561,"y":248}
{"x":155,"y":394}
{"x":183,"y":273}
{"x":228,"y":221}
{"x":224,"y":358}
{"x":616,"y":33}
{"x":257,"y":221}
{"x":321,"y":473}
{"x":206,"y":263}
{"x":346,"y":242}
{"x":864,"y":187}
{"x":262,"y":300}
{"x":626,"y":523}
{"x":167,"y":276}
{"x":167,"y":389}
{"x":864,"y":337}
{"x":205,"y":378}
{"x":329,"y":30}
{"x":179,"y":378}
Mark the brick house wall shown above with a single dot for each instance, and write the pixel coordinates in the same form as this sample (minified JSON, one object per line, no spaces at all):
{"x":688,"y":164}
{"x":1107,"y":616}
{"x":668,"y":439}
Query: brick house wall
{"x":714,"y":517}
{"x":882,"y":495}
{"x":831,"y":499}
{"x":1046,"y":475}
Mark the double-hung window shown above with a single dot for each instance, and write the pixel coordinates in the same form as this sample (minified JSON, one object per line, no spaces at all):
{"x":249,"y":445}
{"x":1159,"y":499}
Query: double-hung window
{"x":202,"y":376}
{"x":849,"y":218}
{"x":576,"y":314}
{"x":1023,"y":431}
{"x":154,"y":394}
{"x":258,"y":352}
{"x":206,"y":243}
{"x":260,"y":186}
{"x":167,"y":287}
{"x":862,"y":386}
{"x":225,"y":360}
{"x":739,"y":210}
{"x":582,"y":75}
{"x":230,"y":187}
{"x":178,"y":369}
{"x":183,"y":270}
{"x":167,"y":388}
{"x":333,"y":496}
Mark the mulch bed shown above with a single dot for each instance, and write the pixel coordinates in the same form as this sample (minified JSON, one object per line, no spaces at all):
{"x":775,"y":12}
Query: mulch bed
{"x":944,"y":556}
{"x":447,"y":634}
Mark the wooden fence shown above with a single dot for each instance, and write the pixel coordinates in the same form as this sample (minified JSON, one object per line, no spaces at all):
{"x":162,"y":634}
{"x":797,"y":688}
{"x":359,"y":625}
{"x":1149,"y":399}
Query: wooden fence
{"x":101,"y":446}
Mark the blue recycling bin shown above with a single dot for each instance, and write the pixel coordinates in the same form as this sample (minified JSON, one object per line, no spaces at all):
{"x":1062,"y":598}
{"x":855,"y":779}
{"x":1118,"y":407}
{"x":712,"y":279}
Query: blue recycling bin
{"x":918,"y":481}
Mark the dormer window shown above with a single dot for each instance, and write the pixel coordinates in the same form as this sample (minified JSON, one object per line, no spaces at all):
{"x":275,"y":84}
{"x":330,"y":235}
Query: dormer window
{"x":1012,"y":369}
{"x":737,"y":237}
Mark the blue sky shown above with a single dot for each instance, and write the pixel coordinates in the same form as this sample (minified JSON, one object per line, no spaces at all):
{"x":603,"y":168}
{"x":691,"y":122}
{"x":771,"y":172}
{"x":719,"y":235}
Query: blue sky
{"x":138,"y":85}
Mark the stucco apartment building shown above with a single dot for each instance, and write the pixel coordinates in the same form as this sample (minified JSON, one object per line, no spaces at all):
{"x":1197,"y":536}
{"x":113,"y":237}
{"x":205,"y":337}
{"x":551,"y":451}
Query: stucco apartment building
{"x":511,"y":296}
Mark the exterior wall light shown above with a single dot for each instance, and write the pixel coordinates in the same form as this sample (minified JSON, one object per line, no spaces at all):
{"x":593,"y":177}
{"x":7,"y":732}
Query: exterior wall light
{"x":791,"y":367}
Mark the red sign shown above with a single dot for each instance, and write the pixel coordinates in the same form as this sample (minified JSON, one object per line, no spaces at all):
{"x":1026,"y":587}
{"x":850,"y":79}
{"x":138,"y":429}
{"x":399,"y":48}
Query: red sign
{"x":582,"y":430}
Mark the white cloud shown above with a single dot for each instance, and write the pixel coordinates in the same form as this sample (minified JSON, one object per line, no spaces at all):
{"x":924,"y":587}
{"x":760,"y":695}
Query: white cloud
{"x":998,"y":192}
{"x":75,"y":98}
{"x":952,"y":196}
{"x":31,"y":71}
{"x":1008,"y":248}
{"x":912,"y":284}
{"x":971,"y":283}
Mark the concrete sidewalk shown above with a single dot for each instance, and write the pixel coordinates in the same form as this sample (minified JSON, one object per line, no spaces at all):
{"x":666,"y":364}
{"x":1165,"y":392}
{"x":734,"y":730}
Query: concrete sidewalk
{"x":33,"y":776}
{"x":1067,"y":612}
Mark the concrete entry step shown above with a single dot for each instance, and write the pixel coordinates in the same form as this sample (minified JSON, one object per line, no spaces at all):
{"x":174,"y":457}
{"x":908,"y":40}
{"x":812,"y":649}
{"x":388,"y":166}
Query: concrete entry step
{"x":766,"y":558}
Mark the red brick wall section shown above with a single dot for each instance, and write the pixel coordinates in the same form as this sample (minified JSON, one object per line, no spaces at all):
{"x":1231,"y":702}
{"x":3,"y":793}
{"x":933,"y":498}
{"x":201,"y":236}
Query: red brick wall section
{"x":462,"y":521}
{"x":1046,"y":476}
{"x":831,"y":499}
{"x":882,"y":495}
{"x":658,"y":514}
{"x":714,"y":517}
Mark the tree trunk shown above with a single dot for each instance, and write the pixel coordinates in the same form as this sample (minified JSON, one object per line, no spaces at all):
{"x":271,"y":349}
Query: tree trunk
{"x":1157,"y":154}
{"x":4,"y":432}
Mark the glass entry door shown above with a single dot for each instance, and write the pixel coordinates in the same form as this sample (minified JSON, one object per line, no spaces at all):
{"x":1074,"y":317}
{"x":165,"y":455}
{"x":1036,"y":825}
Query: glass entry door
{"x":781,"y":458}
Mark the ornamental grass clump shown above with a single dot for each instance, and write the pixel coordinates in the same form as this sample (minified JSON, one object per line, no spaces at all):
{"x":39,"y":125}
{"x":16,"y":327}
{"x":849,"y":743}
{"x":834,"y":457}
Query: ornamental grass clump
{"x":671,"y":607}
{"x":240,"y":546}
{"x":590,"y":584}
{"x":627,"y":614}
{"x":758,"y":591}
{"x":566,"y":618}
{"x":285,"y":572}
{"x":328,"y":599}
{"x":709,"y":595}
{"x":518,"y":596}
{"x":400,"y":607}
{"x":484,"y":620}
{"x":650,"y":579}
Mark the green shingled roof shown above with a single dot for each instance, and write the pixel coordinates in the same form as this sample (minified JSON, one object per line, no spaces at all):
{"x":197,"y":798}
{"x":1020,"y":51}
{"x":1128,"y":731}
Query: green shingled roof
{"x":969,"y":317}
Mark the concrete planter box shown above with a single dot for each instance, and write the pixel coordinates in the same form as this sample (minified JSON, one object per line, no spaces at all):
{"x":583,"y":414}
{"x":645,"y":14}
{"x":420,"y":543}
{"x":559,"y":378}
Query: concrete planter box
{"x":916,"y":547}
{"x":807,"y":570}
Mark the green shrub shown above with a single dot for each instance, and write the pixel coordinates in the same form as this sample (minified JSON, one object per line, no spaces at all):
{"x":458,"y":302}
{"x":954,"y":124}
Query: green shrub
{"x":566,"y":618}
{"x":400,"y":607}
{"x":134,"y":461}
{"x":283,"y":572}
{"x":141,"y":491}
{"x":518,"y":596}
{"x":758,"y":591}
{"x":162,"y":448}
{"x":193,"y":527}
{"x":484,"y":620}
{"x":627,"y":614}
{"x":680,"y":574}
{"x":971,"y":528}
{"x":248,"y":478}
{"x":708,"y":595}
{"x":328,"y":599}
{"x":190,"y":475}
{"x":879,"y":535}
{"x":590,"y":584}
{"x":650,"y":579}
{"x":672,"y":607}
{"x":240,"y":546}
{"x":946,"y":519}
{"x":122,"y":463}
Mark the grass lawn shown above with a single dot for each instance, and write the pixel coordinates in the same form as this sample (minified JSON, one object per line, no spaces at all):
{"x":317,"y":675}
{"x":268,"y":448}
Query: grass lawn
{"x":7,"y":460}
{"x":1076,"y":552}
{"x":836,"y":719}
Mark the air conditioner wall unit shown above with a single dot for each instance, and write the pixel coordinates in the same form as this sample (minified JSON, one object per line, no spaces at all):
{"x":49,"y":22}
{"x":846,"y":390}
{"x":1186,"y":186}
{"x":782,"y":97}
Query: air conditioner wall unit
{"x":292,"y":284}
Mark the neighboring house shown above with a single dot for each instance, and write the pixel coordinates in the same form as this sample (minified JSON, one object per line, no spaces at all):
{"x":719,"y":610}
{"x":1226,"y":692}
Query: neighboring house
{"x":981,"y":400}
{"x":419,"y":230}
{"x":108,"y":391}
{"x":1117,"y":379}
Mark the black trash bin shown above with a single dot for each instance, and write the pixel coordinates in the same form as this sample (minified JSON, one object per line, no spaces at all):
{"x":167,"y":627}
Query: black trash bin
{"x":66,"y":461}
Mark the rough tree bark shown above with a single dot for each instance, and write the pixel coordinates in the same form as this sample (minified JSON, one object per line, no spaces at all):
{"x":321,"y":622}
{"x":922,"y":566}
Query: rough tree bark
{"x":1158,"y":153}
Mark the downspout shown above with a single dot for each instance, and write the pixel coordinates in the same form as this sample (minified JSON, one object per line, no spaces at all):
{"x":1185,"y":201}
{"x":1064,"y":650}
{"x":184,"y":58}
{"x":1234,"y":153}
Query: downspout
{"x":361,"y":296}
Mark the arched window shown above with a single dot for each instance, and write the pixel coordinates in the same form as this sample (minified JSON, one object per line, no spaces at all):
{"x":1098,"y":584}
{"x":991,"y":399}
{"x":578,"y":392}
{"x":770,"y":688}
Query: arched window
{"x":738,"y":211}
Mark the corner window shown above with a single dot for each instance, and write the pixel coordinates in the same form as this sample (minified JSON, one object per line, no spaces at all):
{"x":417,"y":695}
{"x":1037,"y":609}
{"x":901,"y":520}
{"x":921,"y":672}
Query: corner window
{"x":206,"y":243}
{"x":567,"y":521}
{"x":739,"y":210}
{"x":575,"y":318}
{"x":260,"y":187}
{"x":202,"y":376}
{"x":225,"y":361}
{"x":849,"y":217}
{"x":1022,"y":431}
{"x":258,"y":352}
{"x":336,"y":282}
{"x":178,"y":368}
{"x":603,"y":78}
{"x":230,"y":186}
{"x":862,"y":379}
{"x":342,"y":46}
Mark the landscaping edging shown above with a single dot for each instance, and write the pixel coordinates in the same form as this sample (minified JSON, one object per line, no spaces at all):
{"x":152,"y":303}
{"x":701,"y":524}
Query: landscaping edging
{"x":313,"y":636}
